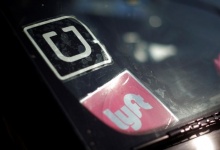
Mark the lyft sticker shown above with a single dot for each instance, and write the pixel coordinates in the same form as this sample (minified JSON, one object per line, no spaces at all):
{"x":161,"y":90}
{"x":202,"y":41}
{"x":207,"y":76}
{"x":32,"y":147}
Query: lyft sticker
{"x":127,"y":106}
{"x":68,"y":46}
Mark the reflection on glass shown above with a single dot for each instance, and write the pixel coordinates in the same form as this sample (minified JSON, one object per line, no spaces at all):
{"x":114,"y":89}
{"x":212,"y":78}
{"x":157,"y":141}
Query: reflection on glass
{"x":143,"y":50}
{"x":160,"y":52}
{"x":203,"y":143}
{"x":140,"y":52}
{"x":155,"y":21}
{"x":131,"y":37}
{"x":132,"y":2}
{"x":217,"y":64}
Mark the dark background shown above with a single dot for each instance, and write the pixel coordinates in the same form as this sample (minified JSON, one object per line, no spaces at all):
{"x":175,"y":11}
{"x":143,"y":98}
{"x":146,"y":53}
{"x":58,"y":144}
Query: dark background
{"x":30,"y":117}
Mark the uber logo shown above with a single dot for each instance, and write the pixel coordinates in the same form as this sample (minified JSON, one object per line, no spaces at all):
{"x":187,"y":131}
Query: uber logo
{"x":68,"y":46}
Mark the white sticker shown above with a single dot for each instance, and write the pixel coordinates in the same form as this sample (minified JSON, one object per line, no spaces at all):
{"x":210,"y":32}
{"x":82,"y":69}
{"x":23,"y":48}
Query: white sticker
{"x":68,"y":46}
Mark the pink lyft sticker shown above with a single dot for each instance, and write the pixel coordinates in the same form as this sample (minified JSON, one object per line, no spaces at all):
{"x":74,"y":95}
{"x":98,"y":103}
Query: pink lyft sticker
{"x":127,"y":106}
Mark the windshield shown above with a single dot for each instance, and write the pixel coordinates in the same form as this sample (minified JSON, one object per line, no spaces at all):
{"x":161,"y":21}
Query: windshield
{"x":172,"y":47}
{"x":139,"y":67}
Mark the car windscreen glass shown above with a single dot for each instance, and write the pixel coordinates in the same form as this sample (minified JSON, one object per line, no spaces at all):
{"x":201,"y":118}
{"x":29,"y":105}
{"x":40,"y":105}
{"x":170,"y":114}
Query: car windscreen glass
{"x":141,"y":68}
{"x":170,"y":46}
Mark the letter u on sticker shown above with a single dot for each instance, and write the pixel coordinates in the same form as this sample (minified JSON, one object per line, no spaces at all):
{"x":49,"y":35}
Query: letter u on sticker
{"x":47,"y":37}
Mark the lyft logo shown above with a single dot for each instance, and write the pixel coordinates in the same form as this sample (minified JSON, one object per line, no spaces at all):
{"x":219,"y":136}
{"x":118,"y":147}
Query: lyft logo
{"x":127,"y":106}
{"x":129,"y":114}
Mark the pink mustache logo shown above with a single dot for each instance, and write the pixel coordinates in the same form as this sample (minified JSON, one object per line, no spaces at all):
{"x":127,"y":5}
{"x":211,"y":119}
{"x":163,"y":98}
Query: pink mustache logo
{"x":217,"y":64}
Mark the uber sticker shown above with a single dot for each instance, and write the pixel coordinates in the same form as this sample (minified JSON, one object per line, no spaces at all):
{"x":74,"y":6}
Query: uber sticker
{"x":127,"y":106}
{"x":67,"y":46}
